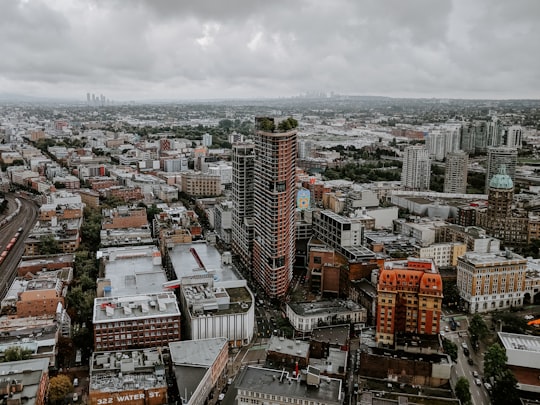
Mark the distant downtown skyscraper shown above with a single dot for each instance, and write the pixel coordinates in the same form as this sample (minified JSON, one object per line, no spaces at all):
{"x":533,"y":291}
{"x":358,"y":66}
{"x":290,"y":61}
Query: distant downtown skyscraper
{"x":498,"y":156}
{"x":455,"y":172}
{"x":416,"y":171}
{"x":274,"y":206}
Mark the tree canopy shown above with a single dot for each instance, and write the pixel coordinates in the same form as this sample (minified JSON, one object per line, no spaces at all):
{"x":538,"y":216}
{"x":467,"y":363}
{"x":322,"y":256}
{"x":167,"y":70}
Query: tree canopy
{"x":16,"y":353}
{"x":494,"y":360}
{"x":450,"y":348}
{"x":478,"y":329}
{"x":462,"y":390}
{"x":59,"y":387}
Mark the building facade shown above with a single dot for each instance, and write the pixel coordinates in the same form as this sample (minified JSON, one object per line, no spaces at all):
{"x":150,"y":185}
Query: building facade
{"x":243,"y":170}
{"x":409,"y":299}
{"x":491,"y":281}
{"x":128,"y":376}
{"x":455,"y":173}
{"x":416,"y":171}
{"x":498,"y":156}
{"x":274,"y":208}
{"x":133,"y":322}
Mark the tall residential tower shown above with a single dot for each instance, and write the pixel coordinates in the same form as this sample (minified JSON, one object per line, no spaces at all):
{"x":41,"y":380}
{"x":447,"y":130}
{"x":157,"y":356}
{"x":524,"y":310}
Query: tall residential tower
{"x":274,"y":205}
{"x":416,"y":169}
{"x":243,"y":169}
{"x":455,"y":173}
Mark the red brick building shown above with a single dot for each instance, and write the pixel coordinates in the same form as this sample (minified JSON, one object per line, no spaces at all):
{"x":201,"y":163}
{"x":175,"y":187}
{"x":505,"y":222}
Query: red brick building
{"x":409,"y":299}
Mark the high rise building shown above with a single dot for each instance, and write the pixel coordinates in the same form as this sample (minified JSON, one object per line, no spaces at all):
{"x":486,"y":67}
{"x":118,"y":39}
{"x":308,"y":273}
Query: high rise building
{"x":207,"y":140}
{"x":514,"y":136}
{"x":498,"y":156}
{"x":416,"y":169}
{"x":442,"y":140}
{"x":243,"y":169}
{"x":409,"y":299}
{"x":455,"y":173}
{"x":274,"y":206}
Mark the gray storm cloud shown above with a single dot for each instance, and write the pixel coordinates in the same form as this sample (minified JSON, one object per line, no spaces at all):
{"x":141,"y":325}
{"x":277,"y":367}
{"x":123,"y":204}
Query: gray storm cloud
{"x":218,"y":49}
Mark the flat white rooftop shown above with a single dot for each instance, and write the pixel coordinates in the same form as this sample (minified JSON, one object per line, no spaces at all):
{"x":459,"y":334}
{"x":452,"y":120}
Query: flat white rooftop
{"x":131,"y":271}
{"x":185,"y":264}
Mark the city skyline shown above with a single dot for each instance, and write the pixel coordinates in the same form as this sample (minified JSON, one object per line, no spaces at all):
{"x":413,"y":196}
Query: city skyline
{"x":202,"y":50}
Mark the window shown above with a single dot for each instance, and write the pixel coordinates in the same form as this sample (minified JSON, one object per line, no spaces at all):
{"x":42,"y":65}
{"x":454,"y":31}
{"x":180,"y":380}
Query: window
{"x":317,"y":260}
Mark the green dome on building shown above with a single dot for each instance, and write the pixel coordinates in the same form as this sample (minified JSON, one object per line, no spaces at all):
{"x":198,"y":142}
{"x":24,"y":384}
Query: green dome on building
{"x":501,"y":180}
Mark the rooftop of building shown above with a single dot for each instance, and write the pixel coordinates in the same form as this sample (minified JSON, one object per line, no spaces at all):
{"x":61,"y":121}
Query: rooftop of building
{"x":334,"y":363}
{"x":488,"y":259}
{"x":201,"y":353}
{"x":27,"y":372}
{"x":108,"y":309}
{"x":127,"y":370}
{"x":515,"y":341}
{"x":44,"y":260}
{"x":335,"y":334}
{"x":280,"y":383}
{"x":204,"y":298}
{"x":289,"y":347}
{"x":126,"y":236}
{"x":324,"y":307}
{"x":185,"y":263}
{"x":131,"y":270}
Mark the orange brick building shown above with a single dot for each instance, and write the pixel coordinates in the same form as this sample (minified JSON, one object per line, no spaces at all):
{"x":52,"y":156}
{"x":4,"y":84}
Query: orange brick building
{"x":409,"y":299}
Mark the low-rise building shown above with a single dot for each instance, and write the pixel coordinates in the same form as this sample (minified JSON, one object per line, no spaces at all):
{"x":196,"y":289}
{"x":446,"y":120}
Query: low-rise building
{"x":27,"y":383}
{"x":200,"y":366}
{"x":140,"y":321}
{"x":282,"y":388}
{"x":128,"y":376}
{"x":306,"y":316}
{"x":523,"y":355}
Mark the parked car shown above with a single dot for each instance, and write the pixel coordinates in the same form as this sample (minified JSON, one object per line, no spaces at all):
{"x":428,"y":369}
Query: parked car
{"x":470,"y":361}
{"x":487,"y":386}
{"x":475,"y":374}
{"x":75,"y":397}
{"x":75,"y":382}
{"x":466,"y":352}
{"x":477,"y":381}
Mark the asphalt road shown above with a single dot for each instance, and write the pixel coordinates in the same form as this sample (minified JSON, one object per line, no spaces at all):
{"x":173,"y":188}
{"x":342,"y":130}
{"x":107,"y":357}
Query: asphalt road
{"x":479,"y":395}
{"x":26,"y":219}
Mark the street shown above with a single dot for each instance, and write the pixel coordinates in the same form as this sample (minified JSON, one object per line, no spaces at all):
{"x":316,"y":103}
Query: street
{"x":479,"y":395}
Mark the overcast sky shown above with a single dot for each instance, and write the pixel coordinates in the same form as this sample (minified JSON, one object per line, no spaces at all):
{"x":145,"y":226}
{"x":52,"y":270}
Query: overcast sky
{"x":203,"y":49}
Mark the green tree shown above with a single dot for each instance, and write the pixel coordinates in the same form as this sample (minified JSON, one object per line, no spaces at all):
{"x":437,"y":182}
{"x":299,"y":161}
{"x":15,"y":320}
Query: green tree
{"x":17,"y":353}
{"x":505,"y":389}
{"x":494,"y":361}
{"x":450,"y":348}
{"x":287,"y":124}
{"x":478,"y":329}
{"x":49,"y":245}
{"x":462,"y":390}
{"x":59,"y":387}
{"x":450,"y":294}
{"x":265,"y":124}
{"x":91,"y":229}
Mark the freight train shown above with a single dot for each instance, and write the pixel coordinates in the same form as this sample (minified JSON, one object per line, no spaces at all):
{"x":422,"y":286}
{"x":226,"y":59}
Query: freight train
{"x":10,"y":245}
